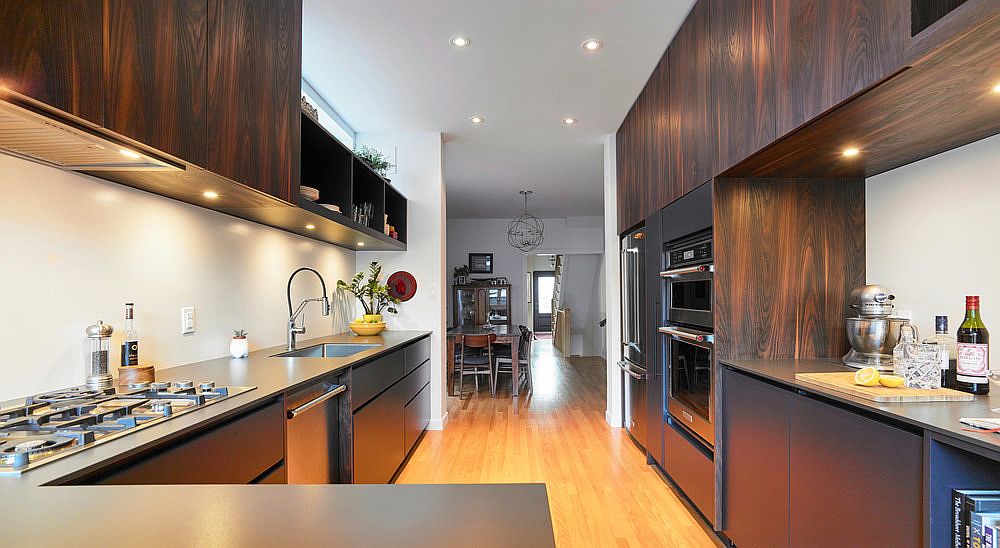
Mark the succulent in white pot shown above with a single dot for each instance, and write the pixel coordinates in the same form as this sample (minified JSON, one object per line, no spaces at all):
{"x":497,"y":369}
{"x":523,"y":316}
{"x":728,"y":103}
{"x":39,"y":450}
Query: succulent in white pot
{"x":239,"y":347}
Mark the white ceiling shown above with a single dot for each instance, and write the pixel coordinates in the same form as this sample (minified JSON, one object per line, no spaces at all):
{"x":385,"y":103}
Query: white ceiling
{"x":387,"y":66}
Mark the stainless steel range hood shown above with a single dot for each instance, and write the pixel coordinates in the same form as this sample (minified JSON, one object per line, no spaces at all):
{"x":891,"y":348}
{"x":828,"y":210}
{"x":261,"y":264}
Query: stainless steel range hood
{"x":33,"y":133}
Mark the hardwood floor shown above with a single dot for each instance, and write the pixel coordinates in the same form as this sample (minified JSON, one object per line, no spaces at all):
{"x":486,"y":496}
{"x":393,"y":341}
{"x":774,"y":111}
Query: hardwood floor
{"x":601,"y":491}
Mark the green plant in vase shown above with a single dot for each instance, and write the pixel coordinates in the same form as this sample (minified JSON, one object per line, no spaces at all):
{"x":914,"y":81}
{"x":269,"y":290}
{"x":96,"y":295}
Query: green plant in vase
{"x":373,"y":295}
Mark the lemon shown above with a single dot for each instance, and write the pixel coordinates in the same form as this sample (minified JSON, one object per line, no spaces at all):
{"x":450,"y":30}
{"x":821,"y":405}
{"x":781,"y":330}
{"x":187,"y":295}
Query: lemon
{"x":892,"y":381}
{"x":867,"y":376}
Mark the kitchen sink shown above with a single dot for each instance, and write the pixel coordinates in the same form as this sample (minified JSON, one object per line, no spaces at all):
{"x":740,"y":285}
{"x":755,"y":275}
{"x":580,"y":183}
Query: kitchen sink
{"x":329,"y":350}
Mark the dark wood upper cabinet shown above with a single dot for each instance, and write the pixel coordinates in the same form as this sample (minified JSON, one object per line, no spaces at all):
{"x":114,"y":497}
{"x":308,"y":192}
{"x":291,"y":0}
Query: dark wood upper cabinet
{"x":254,"y":82}
{"x":825,"y":51}
{"x":158,"y":76}
{"x":53,"y":53}
{"x":627,"y":173}
{"x":742,"y":78}
{"x":692,"y":144}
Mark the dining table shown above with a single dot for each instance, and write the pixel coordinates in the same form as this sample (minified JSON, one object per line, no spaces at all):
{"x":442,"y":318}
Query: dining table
{"x":505,"y":335}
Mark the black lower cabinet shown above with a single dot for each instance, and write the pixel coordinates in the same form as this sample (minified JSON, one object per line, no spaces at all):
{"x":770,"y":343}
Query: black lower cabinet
{"x":416,"y":415}
{"x":378,"y":438}
{"x":242,"y":450}
{"x":755,"y":419}
{"x":798,"y":470}
{"x":854,"y":481}
{"x":691,"y":467}
{"x":386,"y":427}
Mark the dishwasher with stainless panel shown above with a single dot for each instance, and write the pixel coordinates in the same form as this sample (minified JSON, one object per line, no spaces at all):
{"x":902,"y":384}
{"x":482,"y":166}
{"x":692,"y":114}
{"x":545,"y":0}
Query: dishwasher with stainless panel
{"x":312,"y":433}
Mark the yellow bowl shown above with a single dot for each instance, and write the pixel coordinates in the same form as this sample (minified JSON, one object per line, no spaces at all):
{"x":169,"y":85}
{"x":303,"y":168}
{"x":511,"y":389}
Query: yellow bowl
{"x":367,"y":329}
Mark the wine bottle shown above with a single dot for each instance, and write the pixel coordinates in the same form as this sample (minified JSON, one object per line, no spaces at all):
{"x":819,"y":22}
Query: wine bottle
{"x":972,"y":371}
{"x":130,"y":346}
{"x":946,"y":351}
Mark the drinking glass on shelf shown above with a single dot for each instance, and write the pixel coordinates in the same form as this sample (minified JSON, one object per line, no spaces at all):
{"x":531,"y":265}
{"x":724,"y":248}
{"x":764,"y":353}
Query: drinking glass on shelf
{"x":921,"y":366}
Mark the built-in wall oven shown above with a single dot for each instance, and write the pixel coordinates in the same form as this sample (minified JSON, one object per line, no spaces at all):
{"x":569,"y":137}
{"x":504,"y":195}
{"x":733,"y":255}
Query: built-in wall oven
{"x":690,"y":353}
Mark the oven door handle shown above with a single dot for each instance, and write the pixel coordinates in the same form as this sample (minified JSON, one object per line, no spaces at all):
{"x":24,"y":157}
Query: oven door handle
{"x":687,"y":335}
{"x":677,"y":272}
{"x":624,"y":366}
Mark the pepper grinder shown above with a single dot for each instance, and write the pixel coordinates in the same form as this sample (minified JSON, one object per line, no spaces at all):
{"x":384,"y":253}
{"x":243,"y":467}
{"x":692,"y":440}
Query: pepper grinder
{"x":99,"y":335}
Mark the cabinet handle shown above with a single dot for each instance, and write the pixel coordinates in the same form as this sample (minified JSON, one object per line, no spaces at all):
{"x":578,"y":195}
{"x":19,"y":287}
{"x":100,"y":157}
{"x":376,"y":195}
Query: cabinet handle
{"x":333,"y":391}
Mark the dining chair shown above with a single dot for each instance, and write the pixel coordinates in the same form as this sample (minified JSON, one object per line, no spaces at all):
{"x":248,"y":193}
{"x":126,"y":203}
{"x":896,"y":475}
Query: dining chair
{"x":476,"y":358}
{"x":506,"y":365}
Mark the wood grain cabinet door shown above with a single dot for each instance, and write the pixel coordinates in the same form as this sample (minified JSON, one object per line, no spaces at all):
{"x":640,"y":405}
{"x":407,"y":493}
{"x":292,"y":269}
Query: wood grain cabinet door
{"x":254,"y":83}
{"x":692,"y":142}
{"x":53,"y":53}
{"x":825,"y":51}
{"x":742,"y":78}
{"x":158,"y":74}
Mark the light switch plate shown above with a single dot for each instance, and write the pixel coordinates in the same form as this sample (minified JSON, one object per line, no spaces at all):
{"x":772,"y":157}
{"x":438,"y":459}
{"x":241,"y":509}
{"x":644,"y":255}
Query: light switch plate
{"x":187,"y":320}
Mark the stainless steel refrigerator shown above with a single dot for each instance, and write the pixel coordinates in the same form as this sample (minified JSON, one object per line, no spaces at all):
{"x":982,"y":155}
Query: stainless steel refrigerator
{"x":633,"y":363}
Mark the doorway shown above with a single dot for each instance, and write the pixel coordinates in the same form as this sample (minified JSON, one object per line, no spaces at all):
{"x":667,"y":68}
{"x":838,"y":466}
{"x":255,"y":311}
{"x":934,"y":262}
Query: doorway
{"x":543,"y":284}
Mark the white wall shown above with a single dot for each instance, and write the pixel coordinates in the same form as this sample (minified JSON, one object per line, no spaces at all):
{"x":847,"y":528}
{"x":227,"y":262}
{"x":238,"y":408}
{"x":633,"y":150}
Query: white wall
{"x":419,"y":177}
{"x":74,"y":249}
{"x":582,"y":277}
{"x":933,"y":235}
{"x":612,"y":283}
{"x":573,"y":234}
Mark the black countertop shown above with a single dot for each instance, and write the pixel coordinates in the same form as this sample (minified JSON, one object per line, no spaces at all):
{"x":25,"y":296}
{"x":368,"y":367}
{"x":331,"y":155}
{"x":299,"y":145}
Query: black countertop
{"x":37,"y":511}
{"x":940,"y":417}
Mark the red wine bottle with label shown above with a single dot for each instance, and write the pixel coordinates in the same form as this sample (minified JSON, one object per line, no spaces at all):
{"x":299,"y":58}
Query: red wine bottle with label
{"x":972,"y":371}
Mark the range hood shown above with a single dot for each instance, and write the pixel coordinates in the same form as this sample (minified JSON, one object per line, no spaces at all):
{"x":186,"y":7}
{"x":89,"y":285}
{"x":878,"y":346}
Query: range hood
{"x":34,"y":133}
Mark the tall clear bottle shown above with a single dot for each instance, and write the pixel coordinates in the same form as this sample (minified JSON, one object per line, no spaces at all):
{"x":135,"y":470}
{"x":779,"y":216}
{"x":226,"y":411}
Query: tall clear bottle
{"x":972,"y":369}
{"x":130,"y":345}
{"x":946,"y":352}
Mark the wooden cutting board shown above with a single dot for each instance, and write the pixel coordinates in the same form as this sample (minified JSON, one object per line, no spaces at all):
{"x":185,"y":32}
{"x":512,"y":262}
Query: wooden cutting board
{"x":844,"y":382}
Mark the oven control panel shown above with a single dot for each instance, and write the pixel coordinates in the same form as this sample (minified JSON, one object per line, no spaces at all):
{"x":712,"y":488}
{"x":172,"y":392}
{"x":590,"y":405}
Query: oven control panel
{"x":700,"y":252}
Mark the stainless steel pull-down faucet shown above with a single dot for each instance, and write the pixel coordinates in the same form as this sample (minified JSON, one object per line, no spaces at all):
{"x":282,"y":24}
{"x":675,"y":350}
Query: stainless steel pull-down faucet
{"x":294,"y":330}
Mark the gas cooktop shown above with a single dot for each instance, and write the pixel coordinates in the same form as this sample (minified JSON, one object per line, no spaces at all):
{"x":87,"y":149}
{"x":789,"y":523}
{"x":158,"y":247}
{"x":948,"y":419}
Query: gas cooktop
{"x":50,"y":426}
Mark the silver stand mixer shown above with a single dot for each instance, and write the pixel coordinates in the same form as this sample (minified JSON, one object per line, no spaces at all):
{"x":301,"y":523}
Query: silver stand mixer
{"x":873,"y":332}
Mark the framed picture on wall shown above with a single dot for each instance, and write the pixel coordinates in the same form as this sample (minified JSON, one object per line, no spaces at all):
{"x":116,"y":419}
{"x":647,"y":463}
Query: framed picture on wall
{"x":480,"y":263}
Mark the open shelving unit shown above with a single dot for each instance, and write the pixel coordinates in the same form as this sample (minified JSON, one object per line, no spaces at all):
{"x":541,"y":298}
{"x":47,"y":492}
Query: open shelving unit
{"x":345,"y":181}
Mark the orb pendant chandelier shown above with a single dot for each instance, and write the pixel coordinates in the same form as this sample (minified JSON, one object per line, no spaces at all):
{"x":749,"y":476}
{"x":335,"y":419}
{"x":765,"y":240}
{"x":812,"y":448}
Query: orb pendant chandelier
{"x":525,"y":232}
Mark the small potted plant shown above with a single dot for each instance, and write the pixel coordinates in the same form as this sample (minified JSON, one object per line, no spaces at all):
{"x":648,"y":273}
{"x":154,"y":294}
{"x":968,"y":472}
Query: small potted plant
{"x":461,"y":274}
{"x":374,"y":297}
{"x":239,"y":347}
{"x":376,"y":160}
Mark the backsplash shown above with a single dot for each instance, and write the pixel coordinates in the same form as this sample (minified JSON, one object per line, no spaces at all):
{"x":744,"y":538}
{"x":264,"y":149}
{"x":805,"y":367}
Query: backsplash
{"x":933,"y":231}
{"x":76,"y":248}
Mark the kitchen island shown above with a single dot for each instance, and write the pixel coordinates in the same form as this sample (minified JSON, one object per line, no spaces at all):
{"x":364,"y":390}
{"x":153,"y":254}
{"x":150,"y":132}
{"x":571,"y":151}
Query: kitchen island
{"x":842,"y":470}
{"x":62,"y":501}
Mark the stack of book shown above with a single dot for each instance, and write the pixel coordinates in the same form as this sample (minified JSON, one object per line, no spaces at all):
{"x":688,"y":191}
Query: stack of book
{"x":976,"y":518}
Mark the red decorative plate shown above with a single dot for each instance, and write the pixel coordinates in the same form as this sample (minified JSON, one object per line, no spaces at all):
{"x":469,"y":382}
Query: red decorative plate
{"x":402,"y":285}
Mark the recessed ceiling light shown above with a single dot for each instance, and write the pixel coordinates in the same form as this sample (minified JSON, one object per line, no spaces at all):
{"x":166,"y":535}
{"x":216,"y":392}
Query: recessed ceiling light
{"x":311,"y":227}
{"x":592,"y":44}
{"x":996,"y":88}
{"x":851,"y":152}
{"x":460,"y":41}
{"x":477,"y":119}
{"x":210,"y":194}
{"x":130,"y":153}
{"x":569,"y":121}
{"x":361,"y":244}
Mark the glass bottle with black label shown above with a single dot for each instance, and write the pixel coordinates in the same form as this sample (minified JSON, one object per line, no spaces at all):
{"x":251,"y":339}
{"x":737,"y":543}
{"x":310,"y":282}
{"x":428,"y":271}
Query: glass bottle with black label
{"x":972,"y":371}
{"x":946,"y":352}
{"x":130,"y":345}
